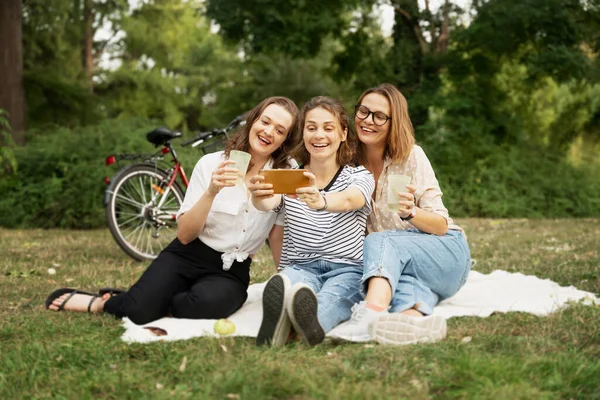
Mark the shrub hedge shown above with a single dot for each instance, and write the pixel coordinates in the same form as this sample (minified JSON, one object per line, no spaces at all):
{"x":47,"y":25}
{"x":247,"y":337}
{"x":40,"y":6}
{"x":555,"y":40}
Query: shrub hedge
{"x":60,"y":178}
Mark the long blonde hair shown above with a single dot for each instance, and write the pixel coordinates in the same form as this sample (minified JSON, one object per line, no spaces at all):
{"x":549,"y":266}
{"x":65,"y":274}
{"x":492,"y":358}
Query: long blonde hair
{"x":401,"y":137}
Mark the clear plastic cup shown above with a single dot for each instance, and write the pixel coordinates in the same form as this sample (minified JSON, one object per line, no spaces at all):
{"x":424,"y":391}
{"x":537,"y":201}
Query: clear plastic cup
{"x":242,"y":160}
{"x":396,"y":184}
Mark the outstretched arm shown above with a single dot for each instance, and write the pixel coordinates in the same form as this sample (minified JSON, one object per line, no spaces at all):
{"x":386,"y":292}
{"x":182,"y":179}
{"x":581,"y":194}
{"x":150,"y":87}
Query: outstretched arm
{"x":347,"y":200}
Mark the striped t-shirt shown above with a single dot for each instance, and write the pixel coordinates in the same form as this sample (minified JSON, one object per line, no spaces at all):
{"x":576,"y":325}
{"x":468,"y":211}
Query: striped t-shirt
{"x":311,"y":235}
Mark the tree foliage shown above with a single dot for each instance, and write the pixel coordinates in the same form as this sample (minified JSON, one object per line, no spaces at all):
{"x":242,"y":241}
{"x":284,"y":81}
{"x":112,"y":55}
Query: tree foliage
{"x":292,"y":27}
{"x":171,"y":65}
{"x":491,"y":88}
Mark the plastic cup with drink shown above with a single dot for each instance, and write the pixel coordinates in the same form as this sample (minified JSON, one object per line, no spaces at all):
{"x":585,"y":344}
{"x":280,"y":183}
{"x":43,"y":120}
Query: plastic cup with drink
{"x":396,"y":184}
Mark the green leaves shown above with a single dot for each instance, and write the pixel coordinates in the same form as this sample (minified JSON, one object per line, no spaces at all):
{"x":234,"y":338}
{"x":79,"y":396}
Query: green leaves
{"x":292,"y":27}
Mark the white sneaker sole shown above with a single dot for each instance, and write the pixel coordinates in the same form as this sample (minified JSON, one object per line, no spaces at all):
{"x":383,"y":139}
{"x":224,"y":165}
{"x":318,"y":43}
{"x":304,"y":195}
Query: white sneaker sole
{"x":399,"y":329}
{"x":275,"y":326}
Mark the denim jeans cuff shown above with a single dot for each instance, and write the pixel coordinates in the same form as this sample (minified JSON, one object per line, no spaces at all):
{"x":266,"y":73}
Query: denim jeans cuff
{"x":378,"y":273}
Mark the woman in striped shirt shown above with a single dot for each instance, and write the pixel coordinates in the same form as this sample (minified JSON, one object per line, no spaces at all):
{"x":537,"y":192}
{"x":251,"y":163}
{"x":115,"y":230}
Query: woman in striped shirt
{"x":323,"y":233}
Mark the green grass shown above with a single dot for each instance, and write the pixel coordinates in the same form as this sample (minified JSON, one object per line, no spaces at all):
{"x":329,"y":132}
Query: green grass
{"x":510,"y":356}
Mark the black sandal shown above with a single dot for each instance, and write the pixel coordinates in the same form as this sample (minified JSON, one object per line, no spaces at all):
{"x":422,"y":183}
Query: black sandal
{"x":72,"y":292}
{"x":111,"y":291}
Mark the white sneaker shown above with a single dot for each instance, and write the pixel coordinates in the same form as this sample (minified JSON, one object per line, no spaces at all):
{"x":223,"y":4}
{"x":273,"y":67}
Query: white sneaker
{"x":275,"y":326}
{"x":358,"y":327}
{"x":397,"y":329}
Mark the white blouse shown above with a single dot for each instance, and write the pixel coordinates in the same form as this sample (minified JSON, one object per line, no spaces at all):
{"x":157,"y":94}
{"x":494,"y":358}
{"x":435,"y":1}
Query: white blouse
{"x":233,"y":226}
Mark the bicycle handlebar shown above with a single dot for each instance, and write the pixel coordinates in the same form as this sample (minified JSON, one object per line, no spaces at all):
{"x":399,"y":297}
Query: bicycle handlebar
{"x":202,"y":136}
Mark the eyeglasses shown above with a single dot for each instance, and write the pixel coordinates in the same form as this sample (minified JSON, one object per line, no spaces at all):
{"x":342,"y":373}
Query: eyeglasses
{"x":363,"y":113}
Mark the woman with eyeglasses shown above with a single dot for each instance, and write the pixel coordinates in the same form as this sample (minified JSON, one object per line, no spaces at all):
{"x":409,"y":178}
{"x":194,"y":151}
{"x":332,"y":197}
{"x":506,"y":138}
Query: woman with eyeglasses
{"x":414,"y":255}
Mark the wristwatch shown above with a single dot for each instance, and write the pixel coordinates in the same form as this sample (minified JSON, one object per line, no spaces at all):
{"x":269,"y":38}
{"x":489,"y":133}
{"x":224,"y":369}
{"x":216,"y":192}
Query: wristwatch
{"x":410,"y":216}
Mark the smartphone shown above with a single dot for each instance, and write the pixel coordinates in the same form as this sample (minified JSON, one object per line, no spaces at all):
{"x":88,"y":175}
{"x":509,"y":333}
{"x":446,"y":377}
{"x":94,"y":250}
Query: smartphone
{"x":285,"y":181}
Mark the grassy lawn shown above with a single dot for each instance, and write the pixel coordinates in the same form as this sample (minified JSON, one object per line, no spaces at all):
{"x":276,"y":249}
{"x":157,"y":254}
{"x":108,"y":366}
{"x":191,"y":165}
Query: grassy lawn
{"x":509,"y":356}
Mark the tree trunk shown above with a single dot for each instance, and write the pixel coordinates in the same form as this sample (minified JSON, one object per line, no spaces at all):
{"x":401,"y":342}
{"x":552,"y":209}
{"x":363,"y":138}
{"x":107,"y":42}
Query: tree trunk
{"x":444,"y":38}
{"x":88,"y":37}
{"x":12,"y":93}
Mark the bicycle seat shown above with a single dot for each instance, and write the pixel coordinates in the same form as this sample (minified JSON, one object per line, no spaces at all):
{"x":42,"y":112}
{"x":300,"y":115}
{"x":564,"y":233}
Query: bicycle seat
{"x":161,"y":136}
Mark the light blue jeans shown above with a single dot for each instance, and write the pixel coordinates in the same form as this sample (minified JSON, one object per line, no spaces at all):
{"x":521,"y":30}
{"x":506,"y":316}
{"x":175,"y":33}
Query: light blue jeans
{"x":422,"y":269}
{"x":338,"y":287}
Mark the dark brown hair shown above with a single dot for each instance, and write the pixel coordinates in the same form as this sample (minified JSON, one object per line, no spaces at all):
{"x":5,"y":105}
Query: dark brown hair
{"x":241,"y":139}
{"x":401,"y":137}
{"x":345,"y":153}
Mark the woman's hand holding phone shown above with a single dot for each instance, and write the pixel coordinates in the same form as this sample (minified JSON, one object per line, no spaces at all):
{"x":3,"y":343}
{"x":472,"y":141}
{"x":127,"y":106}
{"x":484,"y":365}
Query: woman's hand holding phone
{"x":310,"y":195}
{"x":259,"y":189}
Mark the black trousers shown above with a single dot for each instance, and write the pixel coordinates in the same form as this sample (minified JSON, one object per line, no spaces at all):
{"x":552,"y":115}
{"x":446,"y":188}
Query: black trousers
{"x":184,"y":281}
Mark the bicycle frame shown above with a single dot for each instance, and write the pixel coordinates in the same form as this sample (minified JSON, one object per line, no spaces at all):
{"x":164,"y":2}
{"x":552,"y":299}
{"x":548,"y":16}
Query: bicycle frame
{"x":175,"y":171}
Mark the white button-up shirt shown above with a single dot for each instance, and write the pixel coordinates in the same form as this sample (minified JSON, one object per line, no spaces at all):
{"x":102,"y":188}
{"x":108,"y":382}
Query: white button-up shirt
{"x":233,"y":226}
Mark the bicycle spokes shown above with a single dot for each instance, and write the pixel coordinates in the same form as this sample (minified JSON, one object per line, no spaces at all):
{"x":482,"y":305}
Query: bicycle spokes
{"x":145,"y":213}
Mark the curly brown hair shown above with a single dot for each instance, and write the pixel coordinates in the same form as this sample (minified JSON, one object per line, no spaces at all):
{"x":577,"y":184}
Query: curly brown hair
{"x":241,"y":139}
{"x":346,"y":152}
{"x":401,"y":137}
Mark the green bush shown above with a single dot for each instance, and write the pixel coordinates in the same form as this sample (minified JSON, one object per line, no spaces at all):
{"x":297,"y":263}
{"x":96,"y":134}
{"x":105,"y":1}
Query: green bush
{"x":60,"y":180}
{"x":8,"y":163}
{"x":514,"y":181}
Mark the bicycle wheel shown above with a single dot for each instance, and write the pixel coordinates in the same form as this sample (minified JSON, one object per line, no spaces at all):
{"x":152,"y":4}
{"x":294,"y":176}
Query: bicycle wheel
{"x":141,"y":210}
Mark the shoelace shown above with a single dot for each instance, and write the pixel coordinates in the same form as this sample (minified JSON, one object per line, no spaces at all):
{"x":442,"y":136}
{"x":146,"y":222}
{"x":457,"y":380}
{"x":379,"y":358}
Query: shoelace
{"x":358,"y":312}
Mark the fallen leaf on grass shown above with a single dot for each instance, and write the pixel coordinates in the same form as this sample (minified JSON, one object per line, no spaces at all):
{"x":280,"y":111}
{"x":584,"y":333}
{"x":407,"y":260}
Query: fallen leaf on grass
{"x":223,"y":347}
{"x":156,"y":331}
{"x":234,"y":396}
{"x":369,"y":346}
{"x":466,"y":339}
{"x":159,"y":386}
{"x":183,"y":364}
{"x":59,"y":358}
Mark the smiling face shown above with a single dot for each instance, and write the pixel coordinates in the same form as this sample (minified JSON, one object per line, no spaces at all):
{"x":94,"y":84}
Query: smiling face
{"x":270,"y":130}
{"x":322,"y":134}
{"x":370,"y":133}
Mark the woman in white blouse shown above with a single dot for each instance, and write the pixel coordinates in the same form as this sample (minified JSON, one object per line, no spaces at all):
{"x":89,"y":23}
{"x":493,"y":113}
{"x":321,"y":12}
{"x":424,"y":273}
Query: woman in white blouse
{"x":414,"y":254}
{"x":204,"y":272}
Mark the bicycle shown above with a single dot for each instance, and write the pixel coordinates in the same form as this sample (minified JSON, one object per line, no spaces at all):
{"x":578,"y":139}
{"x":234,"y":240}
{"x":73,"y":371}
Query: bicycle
{"x":142,"y":199}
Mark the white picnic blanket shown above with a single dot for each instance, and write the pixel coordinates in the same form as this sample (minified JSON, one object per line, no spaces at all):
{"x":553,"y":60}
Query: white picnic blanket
{"x":482,"y":295}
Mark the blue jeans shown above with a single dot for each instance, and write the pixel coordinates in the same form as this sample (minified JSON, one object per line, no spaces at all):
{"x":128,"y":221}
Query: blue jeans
{"x":422,"y":269}
{"x":338,"y":288}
